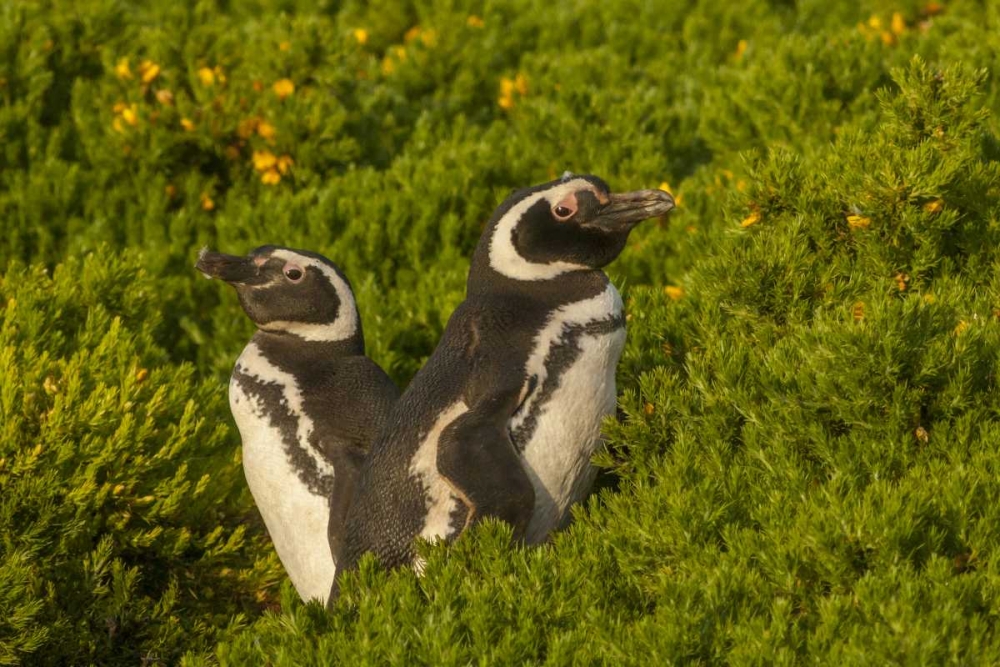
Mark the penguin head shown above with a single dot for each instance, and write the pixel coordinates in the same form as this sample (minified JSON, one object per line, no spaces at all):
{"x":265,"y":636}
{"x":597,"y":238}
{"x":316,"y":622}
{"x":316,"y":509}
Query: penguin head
{"x":288,"y":291}
{"x":573,"y":223}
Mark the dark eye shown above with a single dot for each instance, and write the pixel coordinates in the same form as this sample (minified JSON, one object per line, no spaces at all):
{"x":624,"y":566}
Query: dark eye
{"x":293,"y":273}
{"x":563,"y":212}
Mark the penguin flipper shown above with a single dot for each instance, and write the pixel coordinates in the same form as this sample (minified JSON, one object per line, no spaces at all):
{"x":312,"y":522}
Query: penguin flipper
{"x":478,"y":460}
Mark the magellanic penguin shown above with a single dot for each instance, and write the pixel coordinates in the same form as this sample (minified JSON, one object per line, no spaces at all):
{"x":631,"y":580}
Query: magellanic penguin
{"x":306,"y":400}
{"x":506,"y":414}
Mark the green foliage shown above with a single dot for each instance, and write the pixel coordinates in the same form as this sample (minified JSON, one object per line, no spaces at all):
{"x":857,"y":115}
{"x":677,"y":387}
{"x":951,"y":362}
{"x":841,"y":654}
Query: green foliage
{"x":805,"y":468}
{"x":122,"y":494}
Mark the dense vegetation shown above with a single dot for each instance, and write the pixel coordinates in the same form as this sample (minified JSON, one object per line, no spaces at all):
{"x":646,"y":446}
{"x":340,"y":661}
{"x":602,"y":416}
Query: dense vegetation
{"x":806,"y":466}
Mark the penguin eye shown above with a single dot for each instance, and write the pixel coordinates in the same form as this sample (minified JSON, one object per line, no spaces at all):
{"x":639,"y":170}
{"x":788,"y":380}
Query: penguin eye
{"x":293,"y":273}
{"x":565,"y":209}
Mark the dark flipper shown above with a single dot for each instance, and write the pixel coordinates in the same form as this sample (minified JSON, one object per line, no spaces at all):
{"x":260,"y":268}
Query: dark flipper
{"x":477,"y":458}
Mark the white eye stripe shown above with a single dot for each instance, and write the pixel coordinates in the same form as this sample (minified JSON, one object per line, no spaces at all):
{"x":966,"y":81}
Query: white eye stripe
{"x":342,"y":328}
{"x":504,"y":257}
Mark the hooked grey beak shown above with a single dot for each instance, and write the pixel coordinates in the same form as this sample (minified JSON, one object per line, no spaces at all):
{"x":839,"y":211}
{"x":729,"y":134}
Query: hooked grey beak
{"x":228,"y":268}
{"x":628,"y":208}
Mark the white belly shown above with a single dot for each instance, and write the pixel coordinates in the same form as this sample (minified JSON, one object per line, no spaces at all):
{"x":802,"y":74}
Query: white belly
{"x":567,"y":429}
{"x":297,"y":519}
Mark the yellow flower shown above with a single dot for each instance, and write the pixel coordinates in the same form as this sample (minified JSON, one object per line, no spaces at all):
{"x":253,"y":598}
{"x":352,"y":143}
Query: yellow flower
{"x":858,"y":221}
{"x":506,"y":86}
{"x":206,"y":202}
{"x":117,"y":125}
{"x":270,"y":177}
{"x":284,"y":46}
{"x":360,"y":35}
{"x":165,"y":97}
{"x":888,"y":38}
{"x":387,"y":65}
{"x":148,"y":71}
{"x":506,"y":102}
{"x":901,"y":280}
{"x":741,"y":48}
{"x":412,"y":34}
{"x":141,"y":374}
{"x":649,"y":408}
{"x":675,"y":293}
{"x":285,"y":163}
{"x":429,"y":37}
{"x":130,"y":114}
{"x":187,"y":124}
{"x":264,"y":160}
{"x":266,"y":130}
{"x":475,"y":22}
{"x":122,"y":70}
{"x":960,"y":327}
{"x":207,"y":76}
{"x":934,"y":206}
{"x":875,"y":23}
{"x":898,"y":24}
{"x":751,"y":219}
{"x":858,"y":311}
{"x":118,"y":107}
{"x":283,"y":88}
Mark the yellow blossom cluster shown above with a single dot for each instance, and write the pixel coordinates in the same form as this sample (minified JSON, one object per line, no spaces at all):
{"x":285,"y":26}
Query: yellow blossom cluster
{"x":475,"y":22}
{"x":256,"y":125}
{"x":395,"y":55}
{"x":888,"y":34}
{"x":673,"y":292}
{"x":741,"y":48}
{"x":271,"y":167}
{"x":855,"y":221}
{"x":125,"y":114}
{"x":427,"y":36}
{"x":360,"y":35}
{"x":209,"y":76}
{"x":283,"y":88}
{"x":509,"y":87}
{"x":751,"y":219}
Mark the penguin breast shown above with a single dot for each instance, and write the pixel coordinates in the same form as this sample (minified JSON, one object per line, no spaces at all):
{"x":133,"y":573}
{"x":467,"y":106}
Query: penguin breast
{"x":571,"y":372}
{"x":290,"y":481}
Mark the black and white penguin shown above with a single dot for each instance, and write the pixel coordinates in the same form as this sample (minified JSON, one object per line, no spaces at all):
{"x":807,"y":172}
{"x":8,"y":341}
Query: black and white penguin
{"x":506,"y":414}
{"x":306,"y":400}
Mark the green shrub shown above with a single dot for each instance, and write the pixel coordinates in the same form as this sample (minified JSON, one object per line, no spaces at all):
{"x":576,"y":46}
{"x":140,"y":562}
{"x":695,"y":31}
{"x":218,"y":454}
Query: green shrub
{"x":123,"y":500}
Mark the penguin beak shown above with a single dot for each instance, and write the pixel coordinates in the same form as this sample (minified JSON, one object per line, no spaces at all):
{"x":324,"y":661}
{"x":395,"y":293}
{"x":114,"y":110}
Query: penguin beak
{"x":625,"y":209}
{"x":229,"y":268}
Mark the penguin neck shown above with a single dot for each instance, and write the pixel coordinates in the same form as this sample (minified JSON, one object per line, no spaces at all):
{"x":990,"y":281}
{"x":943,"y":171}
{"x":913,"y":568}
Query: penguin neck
{"x":286,"y":346}
{"x":564,"y":288}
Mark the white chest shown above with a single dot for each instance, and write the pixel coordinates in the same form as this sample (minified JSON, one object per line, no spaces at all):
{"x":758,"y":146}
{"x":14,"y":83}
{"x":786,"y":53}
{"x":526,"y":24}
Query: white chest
{"x":297,"y":518}
{"x":559,"y":426}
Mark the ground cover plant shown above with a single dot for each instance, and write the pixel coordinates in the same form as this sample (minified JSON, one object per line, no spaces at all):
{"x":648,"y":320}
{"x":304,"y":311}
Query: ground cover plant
{"x":805,"y":468}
